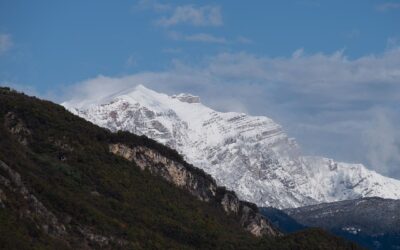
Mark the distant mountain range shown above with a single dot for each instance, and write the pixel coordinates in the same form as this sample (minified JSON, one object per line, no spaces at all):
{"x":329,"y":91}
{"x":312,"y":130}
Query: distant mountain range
{"x":372,"y":222}
{"x":250,"y":155}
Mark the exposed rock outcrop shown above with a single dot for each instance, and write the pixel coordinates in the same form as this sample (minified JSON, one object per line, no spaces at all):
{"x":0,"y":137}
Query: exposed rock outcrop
{"x":102,"y":241}
{"x":34,"y":209}
{"x":17,"y":127}
{"x":198,"y":184}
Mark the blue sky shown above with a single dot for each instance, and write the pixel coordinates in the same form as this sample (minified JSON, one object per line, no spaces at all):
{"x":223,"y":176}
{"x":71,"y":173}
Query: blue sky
{"x":329,"y":71}
{"x":87,"y":38}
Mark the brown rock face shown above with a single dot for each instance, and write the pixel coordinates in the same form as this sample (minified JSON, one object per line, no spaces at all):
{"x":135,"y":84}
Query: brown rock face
{"x":200,"y":185}
{"x":170,"y":170}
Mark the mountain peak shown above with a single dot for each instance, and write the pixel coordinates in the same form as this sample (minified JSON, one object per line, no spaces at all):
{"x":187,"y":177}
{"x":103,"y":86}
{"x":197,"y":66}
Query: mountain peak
{"x":142,"y":88}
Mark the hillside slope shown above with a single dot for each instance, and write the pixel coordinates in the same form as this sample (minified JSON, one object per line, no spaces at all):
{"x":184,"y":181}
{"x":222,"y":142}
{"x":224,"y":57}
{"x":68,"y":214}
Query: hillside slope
{"x":67,"y":184}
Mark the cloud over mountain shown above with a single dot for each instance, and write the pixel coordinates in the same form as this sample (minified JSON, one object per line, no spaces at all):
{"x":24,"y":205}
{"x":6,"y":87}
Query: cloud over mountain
{"x":328,"y":101}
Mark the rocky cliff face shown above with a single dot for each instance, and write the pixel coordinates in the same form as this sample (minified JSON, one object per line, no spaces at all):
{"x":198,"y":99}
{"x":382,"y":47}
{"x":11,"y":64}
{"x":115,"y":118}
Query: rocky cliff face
{"x":198,"y":184}
{"x":250,"y":155}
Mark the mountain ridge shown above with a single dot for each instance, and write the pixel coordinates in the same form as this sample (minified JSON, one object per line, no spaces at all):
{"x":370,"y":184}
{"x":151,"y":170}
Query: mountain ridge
{"x":249,"y":154}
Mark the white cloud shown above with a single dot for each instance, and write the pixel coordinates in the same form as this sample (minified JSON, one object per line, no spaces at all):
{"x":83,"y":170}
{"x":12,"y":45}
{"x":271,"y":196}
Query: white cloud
{"x":5,"y":43}
{"x":333,"y":78}
{"x":189,"y":14}
{"x":327,"y":100}
{"x":383,"y":142}
{"x":298,"y":53}
{"x":206,"y":15}
{"x":313,"y":72}
{"x":388,"y":6}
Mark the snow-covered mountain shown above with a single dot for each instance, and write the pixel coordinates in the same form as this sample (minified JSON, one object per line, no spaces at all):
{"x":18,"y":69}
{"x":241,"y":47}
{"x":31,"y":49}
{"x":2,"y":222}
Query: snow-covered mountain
{"x":248,"y":154}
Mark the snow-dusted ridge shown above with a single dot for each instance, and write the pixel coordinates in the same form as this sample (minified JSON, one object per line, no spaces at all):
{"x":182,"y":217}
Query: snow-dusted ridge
{"x":248,"y":154}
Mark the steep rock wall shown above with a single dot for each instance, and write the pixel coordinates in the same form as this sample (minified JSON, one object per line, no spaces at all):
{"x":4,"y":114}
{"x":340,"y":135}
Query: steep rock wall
{"x":201,"y":186}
